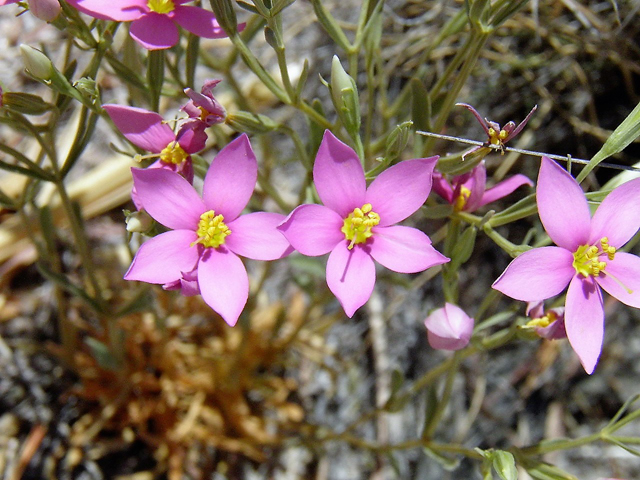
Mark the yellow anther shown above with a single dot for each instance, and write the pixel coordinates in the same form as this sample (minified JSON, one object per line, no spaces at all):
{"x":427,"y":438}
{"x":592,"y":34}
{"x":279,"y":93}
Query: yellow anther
{"x":212,"y":230}
{"x":173,"y":153}
{"x":543,"y":321}
{"x":503,"y":134}
{"x":586,"y":259}
{"x":161,"y":6}
{"x":462,"y":198}
{"x":357,"y":226}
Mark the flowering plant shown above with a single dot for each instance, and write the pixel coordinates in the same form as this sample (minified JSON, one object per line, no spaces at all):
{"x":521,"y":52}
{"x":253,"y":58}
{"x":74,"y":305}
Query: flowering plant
{"x":297,"y":277}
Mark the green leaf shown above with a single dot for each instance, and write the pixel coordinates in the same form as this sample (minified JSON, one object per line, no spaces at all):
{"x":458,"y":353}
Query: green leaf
{"x":621,"y":137}
{"x":101,"y":353}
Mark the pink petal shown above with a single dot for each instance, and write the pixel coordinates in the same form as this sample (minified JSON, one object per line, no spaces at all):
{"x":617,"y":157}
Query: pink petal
{"x":224,"y":283}
{"x":255,"y":236}
{"x":338,"y":176}
{"x":404,"y":249}
{"x":401,"y":189}
{"x":537,"y":274}
{"x":198,"y":21}
{"x":504,"y":188}
{"x":192,"y":137}
{"x":313,"y":230}
{"x":163,"y":258}
{"x":623,"y":269}
{"x":155,"y":31}
{"x":7,"y":2}
{"x":562,"y":206}
{"x":449,"y":328}
{"x":168,"y":198}
{"x":584,"y":320}
{"x":141,"y":127}
{"x":231,"y":179}
{"x":351,"y":276}
{"x":618,"y":216}
{"x":47,"y":10}
{"x":442,"y":187}
{"x":118,"y":10}
{"x":476,"y":185}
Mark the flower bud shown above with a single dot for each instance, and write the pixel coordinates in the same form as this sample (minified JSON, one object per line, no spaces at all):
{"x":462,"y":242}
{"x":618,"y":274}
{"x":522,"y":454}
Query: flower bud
{"x":47,"y":10}
{"x":36,"y":63}
{"x":449,"y":328}
{"x":139,"y":221}
{"x":88,"y":88}
{"x":24,"y":103}
{"x":344,"y":93}
{"x":251,"y":122}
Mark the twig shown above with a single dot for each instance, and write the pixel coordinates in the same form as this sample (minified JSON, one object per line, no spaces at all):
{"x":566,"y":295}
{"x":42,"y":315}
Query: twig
{"x":566,"y":158}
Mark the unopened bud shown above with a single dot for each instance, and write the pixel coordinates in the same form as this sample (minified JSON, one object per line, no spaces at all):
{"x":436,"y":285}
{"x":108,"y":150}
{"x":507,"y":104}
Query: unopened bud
{"x":251,"y":122}
{"x":449,"y":328}
{"x":139,"y":221}
{"x":397,"y":141}
{"x":36,"y":63}
{"x":25,"y":103}
{"x":344,"y":93}
{"x":47,"y":10}
{"x":88,"y":89}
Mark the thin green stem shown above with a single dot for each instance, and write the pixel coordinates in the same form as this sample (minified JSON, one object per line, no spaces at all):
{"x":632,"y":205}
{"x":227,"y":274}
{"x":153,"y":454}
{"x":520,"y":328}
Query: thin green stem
{"x":444,"y":400}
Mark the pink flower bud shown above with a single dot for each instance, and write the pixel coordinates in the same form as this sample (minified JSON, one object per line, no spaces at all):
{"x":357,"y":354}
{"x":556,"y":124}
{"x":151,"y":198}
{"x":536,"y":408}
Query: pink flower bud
{"x":47,"y":10}
{"x":449,"y":328}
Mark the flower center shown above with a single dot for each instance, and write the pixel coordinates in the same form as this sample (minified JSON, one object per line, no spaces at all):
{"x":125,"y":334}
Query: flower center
{"x":161,"y":6}
{"x":543,"y":321}
{"x":211,"y":230}
{"x":496,"y":138}
{"x":586,"y":259}
{"x":462,"y":198}
{"x":173,"y":153}
{"x":357,"y":226}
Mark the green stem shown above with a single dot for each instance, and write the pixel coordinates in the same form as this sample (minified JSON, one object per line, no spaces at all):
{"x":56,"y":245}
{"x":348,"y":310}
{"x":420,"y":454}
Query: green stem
{"x":444,"y":401}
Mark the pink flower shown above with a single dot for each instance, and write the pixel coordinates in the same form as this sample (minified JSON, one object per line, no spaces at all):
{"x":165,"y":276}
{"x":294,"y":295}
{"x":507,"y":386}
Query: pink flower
{"x":449,"y":328}
{"x":467,"y":192}
{"x":154,"y":22}
{"x":586,"y":257}
{"x":207,"y":234}
{"x":203,"y":106}
{"x":356,"y":223}
{"x":549,"y":324}
{"x":148,"y":131}
{"x":46,"y":10}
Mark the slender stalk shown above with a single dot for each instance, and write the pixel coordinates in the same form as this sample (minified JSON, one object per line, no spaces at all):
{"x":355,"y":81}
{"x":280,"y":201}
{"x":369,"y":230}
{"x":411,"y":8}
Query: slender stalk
{"x":444,"y":400}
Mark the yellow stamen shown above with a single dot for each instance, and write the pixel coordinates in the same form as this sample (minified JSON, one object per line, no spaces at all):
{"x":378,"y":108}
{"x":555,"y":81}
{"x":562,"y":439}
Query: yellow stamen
{"x":161,"y":6}
{"x":586,"y":259}
{"x":173,"y":153}
{"x":357,"y":226}
{"x":212,"y":230}
{"x":462,"y":198}
{"x":543,"y":321}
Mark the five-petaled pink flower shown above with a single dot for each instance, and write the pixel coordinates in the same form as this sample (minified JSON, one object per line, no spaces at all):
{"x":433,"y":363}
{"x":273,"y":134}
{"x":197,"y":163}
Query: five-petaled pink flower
{"x":467,"y":192}
{"x":207,"y":234}
{"x":356,"y":223}
{"x":148,"y":131}
{"x":154,"y":21}
{"x":585,"y":258}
